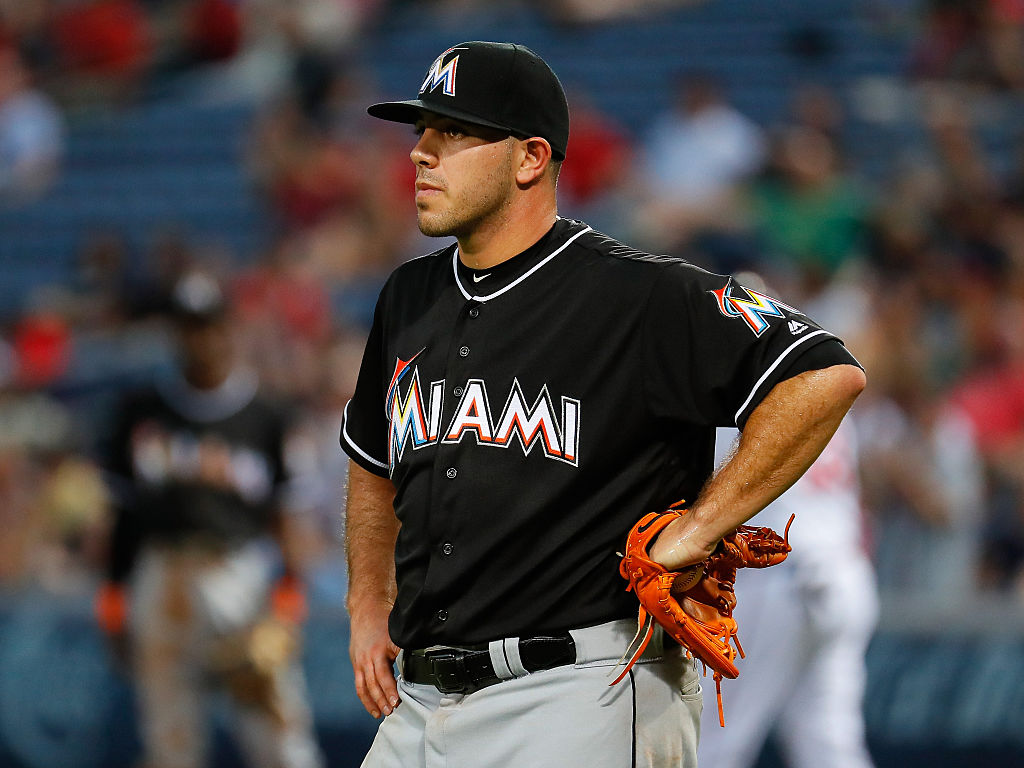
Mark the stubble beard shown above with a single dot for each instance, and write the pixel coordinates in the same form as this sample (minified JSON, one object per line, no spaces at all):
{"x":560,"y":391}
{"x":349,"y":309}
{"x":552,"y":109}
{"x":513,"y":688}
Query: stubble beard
{"x":470,"y":209}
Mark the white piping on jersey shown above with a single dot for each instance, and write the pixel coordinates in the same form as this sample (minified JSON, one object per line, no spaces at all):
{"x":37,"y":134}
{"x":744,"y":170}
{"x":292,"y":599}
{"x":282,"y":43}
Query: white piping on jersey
{"x":534,"y":268}
{"x":356,"y":448}
{"x":772,"y":367}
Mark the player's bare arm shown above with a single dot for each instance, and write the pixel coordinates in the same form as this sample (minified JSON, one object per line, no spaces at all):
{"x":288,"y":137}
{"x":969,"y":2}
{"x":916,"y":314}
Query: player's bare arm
{"x":371,"y":529}
{"x":782,"y":438}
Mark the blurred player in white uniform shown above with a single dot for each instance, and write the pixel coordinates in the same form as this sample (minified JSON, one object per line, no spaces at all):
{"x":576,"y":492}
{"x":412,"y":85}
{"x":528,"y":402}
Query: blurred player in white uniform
{"x":805,"y":627}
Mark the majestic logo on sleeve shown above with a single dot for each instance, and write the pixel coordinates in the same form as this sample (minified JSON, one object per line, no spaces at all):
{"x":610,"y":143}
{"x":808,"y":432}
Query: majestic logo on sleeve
{"x":754,"y":309}
{"x":442,"y":74}
{"x":417,"y":421}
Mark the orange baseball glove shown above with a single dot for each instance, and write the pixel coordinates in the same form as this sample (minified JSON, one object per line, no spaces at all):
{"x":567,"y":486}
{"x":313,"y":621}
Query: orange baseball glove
{"x":695,"y":605}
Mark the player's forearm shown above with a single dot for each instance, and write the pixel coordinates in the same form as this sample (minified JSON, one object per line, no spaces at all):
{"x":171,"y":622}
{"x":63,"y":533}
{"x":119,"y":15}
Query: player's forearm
{"x":782,"y":438}
{"x":371,"y":529}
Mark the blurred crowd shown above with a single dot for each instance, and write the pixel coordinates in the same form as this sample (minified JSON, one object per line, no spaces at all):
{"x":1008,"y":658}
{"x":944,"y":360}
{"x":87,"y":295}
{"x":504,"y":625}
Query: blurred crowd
{"x":920,"y":269}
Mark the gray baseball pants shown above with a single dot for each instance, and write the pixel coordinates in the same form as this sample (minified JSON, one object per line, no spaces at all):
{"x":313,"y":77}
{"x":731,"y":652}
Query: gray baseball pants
{"x":185,"y":601}
{"x":566,"y":716}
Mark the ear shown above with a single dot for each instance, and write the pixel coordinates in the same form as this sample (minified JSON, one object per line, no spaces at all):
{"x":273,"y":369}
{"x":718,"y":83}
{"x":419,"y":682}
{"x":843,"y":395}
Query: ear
{"x":533,"y":161}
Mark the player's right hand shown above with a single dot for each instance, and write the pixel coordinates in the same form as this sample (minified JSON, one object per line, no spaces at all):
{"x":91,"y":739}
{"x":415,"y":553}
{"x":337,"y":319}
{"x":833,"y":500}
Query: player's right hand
{"x":110,"y":608}
{"x":373,"y":654}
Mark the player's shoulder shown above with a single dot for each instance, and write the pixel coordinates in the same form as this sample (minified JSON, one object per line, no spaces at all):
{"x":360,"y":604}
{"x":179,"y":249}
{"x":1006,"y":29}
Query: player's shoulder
{"x":434,"y":265}
{"x":417,"y":280}
{"x":642,"y":265}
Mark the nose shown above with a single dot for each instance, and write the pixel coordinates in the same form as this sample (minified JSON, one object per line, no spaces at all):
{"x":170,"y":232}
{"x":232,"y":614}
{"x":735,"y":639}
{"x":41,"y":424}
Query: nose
{"x":424,"y":154}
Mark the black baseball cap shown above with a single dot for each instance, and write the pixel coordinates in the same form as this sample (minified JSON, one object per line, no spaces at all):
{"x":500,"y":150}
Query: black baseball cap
{"x":498,"y":85}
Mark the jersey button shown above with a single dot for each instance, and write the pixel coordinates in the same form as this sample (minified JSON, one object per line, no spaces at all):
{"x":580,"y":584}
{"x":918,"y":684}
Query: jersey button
{"x":447,"y":548}
{"x":474,"y":312}
{"x":464,"y":351}
{"x":452,"y":473}
{"x":442,"y":615}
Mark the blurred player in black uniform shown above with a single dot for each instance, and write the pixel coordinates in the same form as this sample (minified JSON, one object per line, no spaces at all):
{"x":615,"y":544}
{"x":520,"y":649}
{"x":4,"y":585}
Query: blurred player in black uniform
{"x":200,"y":595}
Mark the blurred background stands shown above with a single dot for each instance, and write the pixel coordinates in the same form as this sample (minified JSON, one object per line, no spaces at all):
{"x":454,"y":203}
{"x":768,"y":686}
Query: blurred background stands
{"x":883,"y":191}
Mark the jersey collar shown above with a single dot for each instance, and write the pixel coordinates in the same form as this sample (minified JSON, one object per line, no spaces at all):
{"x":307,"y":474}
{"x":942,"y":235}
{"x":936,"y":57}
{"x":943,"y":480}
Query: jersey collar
{"x":511,"y":273}
{"x":209,"y":405}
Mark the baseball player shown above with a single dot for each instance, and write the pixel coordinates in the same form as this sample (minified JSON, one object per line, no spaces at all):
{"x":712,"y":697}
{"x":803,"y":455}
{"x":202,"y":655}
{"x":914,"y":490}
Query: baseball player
{"x":196,"y":580}
{"x":526,"y":394}
{"x":805,"y":628}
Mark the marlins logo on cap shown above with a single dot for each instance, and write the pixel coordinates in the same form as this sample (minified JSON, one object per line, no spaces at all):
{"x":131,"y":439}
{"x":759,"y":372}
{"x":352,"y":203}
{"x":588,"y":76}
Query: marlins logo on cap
{"x":500,"y":85}
{"x":442,"y":74}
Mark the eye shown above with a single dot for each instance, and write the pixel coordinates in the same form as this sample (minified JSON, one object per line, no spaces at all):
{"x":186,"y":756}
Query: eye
{"x":454,"y":132}
{"x":419,"y":128}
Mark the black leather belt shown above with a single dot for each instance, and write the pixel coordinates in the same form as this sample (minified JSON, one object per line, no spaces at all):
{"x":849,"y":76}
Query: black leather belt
{"x":468,"y":669}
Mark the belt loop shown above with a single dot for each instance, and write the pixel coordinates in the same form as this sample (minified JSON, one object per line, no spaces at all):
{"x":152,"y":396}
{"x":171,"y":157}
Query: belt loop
{"x":580,"y":639}
{"x":496,"y":648}
{"x":515,"y":663}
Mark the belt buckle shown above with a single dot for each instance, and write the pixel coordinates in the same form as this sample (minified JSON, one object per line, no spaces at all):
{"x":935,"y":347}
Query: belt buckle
{"x":450,"y":680}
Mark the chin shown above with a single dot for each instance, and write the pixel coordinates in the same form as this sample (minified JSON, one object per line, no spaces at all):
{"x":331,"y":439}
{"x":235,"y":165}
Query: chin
{"x":431,"y":227}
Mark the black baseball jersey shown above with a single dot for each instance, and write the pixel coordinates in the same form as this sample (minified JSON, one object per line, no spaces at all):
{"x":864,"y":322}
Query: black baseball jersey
{"x":530,"y":414}
{"x":195,"y":465}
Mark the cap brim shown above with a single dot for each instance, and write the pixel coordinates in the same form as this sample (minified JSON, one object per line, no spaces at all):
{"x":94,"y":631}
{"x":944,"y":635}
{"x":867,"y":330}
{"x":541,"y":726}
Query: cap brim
{"x":411,"y":111}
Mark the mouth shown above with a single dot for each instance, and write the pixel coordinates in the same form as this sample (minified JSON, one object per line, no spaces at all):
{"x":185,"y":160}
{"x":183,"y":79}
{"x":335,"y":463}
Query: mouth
{"x":427,"y":189}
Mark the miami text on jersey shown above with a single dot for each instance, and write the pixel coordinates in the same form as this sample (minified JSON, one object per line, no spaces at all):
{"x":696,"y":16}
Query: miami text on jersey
{"x":418,"y":422}
{"x":753,"y":310}
{"x":162,"y":455}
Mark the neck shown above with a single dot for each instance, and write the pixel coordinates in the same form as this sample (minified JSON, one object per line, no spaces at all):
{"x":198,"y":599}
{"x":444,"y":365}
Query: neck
{"x":207,"y":377}
{"x":499,"y":240}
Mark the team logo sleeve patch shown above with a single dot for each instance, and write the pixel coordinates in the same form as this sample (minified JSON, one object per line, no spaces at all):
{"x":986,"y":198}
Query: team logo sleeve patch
{"x":752,"y":307}
{"x":715,"y":347}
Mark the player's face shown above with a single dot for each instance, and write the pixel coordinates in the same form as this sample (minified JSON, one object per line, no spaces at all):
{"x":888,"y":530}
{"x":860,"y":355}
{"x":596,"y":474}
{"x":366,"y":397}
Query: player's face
{"x":464,"y":175}
{"x":207,"y":351}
